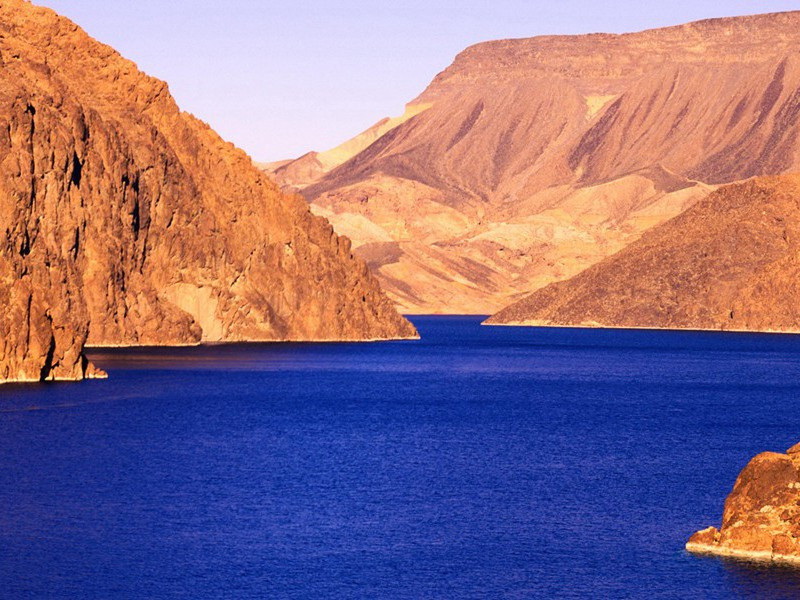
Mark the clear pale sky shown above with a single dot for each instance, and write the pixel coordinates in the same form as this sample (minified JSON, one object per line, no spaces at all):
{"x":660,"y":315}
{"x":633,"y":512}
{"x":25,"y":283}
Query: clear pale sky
{"x":281,"y":77}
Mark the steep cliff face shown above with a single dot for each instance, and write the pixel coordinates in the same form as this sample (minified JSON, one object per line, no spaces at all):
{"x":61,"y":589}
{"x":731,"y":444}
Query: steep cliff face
{"x":128,"y":222}
{"x":730,"y":262}
{"x":761,"y":519}
{"x":536,"y":158}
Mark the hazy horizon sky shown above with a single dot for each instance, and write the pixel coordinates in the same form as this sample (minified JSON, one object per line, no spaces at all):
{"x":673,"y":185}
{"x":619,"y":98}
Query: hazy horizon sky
{"x":279,"y":77}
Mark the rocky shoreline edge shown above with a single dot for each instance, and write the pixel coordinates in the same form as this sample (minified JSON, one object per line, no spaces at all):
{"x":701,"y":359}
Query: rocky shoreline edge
{"x":715,"y":550}
{"x":93,"y":372}
{"x":761,"y":518}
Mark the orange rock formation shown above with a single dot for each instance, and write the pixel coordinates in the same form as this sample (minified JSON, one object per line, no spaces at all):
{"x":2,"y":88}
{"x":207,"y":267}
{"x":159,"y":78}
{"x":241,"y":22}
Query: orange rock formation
{"x":128,"y":222}
{"x":761,"y":520}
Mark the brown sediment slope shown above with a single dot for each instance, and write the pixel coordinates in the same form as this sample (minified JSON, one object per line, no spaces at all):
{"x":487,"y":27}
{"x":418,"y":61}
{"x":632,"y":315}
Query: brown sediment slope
{"x":127,"y":222}
{"x":731,"y":262}
{"x":536,"y":158}
{"x":761,"y":519}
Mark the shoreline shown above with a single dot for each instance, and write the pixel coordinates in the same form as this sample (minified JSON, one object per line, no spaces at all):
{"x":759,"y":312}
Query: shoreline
{"x":97,"y":375}
{"x":254,"y":342}
{"x":103,"y":375}
{"x":587,"y":326}
{"x":761,"y":556}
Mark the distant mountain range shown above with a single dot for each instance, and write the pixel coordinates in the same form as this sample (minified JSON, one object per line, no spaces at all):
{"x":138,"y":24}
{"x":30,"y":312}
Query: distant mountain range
{"x":528,"y":161}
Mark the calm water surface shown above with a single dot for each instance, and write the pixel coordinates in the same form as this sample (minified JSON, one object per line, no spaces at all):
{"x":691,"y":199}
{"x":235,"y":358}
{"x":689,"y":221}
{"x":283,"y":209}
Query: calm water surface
{"x":476,"y":463}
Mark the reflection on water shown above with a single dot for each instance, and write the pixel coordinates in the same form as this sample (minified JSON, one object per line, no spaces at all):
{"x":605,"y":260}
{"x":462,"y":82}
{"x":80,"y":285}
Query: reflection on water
{"x":55,"y":400}
{"x":758,"y":580}
{"x":217,"y":357}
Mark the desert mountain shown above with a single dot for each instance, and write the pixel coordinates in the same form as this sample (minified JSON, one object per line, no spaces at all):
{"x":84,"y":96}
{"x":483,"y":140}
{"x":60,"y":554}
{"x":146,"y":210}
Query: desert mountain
{"x":128,"y":222}
{"x":528,"y":160}
{"x":732,"y":261}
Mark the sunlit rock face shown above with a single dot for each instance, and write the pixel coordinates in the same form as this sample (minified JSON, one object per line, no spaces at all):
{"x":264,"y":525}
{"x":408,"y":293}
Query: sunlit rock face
{"x":527,"y":161}
{"x":730,"y":262}
{"x":128,"y":222}
{"x":761,"y":520}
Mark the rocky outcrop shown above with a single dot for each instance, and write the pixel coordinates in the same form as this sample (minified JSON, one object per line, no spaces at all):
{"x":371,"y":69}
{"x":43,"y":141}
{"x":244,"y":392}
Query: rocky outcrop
{"x":125,"y":221}
{"x":537,"y":158}
{"x":761,"y":520}
{"x":728,"y":263}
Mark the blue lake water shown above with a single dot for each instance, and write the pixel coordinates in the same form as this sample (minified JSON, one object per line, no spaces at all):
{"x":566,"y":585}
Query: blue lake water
{"x":476,"y":463}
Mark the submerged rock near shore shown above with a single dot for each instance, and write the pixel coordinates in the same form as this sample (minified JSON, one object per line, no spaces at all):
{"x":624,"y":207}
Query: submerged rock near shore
{"x":125,"y":221}
{"x":761,"y":520}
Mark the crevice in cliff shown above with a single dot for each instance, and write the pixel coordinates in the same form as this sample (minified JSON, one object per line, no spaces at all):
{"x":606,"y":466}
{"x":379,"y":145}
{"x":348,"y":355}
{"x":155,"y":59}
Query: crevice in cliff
{"x":31,"y":110}
{"x":28,"y":322}
{"x":77,"y":169}
{"x":25,"y":244}
{"x":47,"y":367}
{"x":135,"y":224}
{"x":77,"y":243}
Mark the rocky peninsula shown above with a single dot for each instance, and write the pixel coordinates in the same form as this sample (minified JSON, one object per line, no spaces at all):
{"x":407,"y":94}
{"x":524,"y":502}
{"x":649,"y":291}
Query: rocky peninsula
{"x":761,"y":519}
{"x":729,"y":263}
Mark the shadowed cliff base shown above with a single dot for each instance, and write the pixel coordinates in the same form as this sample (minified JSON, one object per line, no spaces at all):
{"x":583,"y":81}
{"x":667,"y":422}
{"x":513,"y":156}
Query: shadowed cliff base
{"x":129,"y":222}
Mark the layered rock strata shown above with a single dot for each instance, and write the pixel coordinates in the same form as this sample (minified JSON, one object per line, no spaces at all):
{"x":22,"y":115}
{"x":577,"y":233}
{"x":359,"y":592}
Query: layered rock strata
{"x":527,"y":161}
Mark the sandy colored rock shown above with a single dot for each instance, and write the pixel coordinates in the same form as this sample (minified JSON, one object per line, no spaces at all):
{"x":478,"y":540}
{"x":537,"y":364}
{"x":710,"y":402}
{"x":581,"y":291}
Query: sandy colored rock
{"x":761,"y":519}
{"x":127,"y":222}
{"x":728,"y":263}
{"x":537,"y":158}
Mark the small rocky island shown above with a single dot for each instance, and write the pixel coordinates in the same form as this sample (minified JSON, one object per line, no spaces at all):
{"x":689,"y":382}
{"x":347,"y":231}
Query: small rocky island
{"x":761,"y":520}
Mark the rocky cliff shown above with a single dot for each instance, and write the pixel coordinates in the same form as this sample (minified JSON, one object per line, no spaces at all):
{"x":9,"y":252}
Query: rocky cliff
{"x":730,"y":262}
{"x":128,"y":222}
{"x":761,"y":519}
{"x":527,"y":161}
